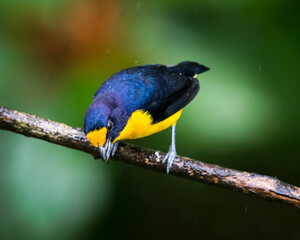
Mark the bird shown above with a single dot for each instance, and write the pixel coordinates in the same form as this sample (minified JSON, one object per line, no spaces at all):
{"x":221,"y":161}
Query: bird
{"x":139,"y":101}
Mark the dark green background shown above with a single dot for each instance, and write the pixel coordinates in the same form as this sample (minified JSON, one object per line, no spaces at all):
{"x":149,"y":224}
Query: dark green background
{"x":54,"y":54}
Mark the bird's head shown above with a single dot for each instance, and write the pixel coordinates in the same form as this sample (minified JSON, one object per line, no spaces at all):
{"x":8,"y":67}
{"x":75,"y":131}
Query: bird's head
{"x":102,"y":125}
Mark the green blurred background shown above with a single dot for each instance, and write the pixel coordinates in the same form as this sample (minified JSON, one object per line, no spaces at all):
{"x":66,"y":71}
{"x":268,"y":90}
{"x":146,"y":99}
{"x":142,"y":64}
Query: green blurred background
{"x":54,"y":54}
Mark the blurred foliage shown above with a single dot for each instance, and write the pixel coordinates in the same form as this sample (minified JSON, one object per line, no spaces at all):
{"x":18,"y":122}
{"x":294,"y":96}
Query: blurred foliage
{"x":54,"y":56}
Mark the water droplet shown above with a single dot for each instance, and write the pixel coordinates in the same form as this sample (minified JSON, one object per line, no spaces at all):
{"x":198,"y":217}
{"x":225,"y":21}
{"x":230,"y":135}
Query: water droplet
{"x":138,"y":6}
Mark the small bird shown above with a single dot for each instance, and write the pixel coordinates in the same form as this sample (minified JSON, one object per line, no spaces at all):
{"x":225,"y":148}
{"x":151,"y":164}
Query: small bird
{"x":138,"y":102}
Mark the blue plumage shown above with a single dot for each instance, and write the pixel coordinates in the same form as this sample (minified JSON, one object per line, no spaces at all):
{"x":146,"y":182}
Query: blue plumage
{"x":158,"y":89}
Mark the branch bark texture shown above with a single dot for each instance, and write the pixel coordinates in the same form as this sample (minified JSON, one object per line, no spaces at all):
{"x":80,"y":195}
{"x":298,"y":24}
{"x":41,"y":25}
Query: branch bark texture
{"x":261,"y":186}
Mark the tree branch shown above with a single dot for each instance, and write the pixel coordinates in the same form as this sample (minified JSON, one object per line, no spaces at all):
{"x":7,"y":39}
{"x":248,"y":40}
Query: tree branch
{"x":247,"y":183}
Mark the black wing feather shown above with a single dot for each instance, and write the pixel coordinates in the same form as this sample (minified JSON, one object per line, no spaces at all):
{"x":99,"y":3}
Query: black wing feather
{"x":177,"y":96}
{"x":184,"y":97}
{"x":163,"y":90}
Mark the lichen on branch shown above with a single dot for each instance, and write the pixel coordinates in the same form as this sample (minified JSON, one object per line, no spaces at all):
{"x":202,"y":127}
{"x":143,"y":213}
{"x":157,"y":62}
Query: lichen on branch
{"x":261,"y":186}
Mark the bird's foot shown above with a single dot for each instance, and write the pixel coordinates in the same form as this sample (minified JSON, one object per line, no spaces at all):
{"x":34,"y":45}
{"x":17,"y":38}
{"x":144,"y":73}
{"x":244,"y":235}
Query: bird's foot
{"x":114,"y":148}
{"x":169,"y":158}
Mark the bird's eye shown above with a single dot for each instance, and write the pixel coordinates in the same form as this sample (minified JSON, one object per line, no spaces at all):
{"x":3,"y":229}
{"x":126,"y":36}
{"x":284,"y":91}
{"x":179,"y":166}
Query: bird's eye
{"x":110,"y":125}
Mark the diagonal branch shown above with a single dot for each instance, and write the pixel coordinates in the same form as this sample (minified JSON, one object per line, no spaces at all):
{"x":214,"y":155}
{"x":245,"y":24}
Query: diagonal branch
{"x":261,"y":186}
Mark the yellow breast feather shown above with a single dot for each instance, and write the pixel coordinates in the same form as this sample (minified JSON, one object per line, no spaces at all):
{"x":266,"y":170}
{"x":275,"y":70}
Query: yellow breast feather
{"x":140,"y":124}
{"x":98,"y":136}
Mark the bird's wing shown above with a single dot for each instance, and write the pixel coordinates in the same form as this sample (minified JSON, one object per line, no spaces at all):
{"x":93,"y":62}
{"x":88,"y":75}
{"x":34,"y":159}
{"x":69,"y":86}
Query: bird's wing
{"x":160,"y":90}
{"x":178,"y":90}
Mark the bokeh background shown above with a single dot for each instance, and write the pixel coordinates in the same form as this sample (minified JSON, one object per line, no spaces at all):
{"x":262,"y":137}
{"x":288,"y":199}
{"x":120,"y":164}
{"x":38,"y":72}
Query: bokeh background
{"x":54,"y":54}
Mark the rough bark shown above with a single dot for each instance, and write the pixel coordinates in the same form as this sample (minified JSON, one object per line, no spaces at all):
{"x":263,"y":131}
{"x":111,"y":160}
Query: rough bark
{"x":261,"y":186}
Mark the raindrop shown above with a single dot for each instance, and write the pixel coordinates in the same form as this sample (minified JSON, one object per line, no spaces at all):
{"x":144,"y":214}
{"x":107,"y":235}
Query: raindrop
{"x":138,"y":6}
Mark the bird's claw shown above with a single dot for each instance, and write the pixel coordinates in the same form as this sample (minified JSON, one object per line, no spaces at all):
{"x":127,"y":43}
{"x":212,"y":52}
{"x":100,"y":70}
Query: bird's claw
{"x":114,"y":148}
{"x":169,"y":158}
{"x":109,"y":149}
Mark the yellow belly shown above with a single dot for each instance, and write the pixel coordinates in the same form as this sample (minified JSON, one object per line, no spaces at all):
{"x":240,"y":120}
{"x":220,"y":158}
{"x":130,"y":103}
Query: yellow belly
{"x":140,"y":124}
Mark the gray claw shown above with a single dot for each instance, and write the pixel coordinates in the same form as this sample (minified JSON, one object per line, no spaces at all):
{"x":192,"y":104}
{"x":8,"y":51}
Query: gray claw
{"x":114,"y":148}
{"x":169,"y":158}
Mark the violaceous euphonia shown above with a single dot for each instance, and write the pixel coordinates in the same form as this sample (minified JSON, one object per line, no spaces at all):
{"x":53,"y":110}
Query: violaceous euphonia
{"x":138,"y":102}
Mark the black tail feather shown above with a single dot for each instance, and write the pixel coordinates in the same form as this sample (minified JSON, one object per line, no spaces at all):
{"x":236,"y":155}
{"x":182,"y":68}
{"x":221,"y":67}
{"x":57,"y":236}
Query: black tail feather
{"x":189,"y":68}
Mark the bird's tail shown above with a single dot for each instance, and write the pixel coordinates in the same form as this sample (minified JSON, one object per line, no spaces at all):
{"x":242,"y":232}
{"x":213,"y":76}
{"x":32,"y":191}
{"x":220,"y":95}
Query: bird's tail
{"x":188,"y":68}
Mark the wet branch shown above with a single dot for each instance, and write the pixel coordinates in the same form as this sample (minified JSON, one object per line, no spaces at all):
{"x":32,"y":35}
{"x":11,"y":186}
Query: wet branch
{"x":261,"y":186}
